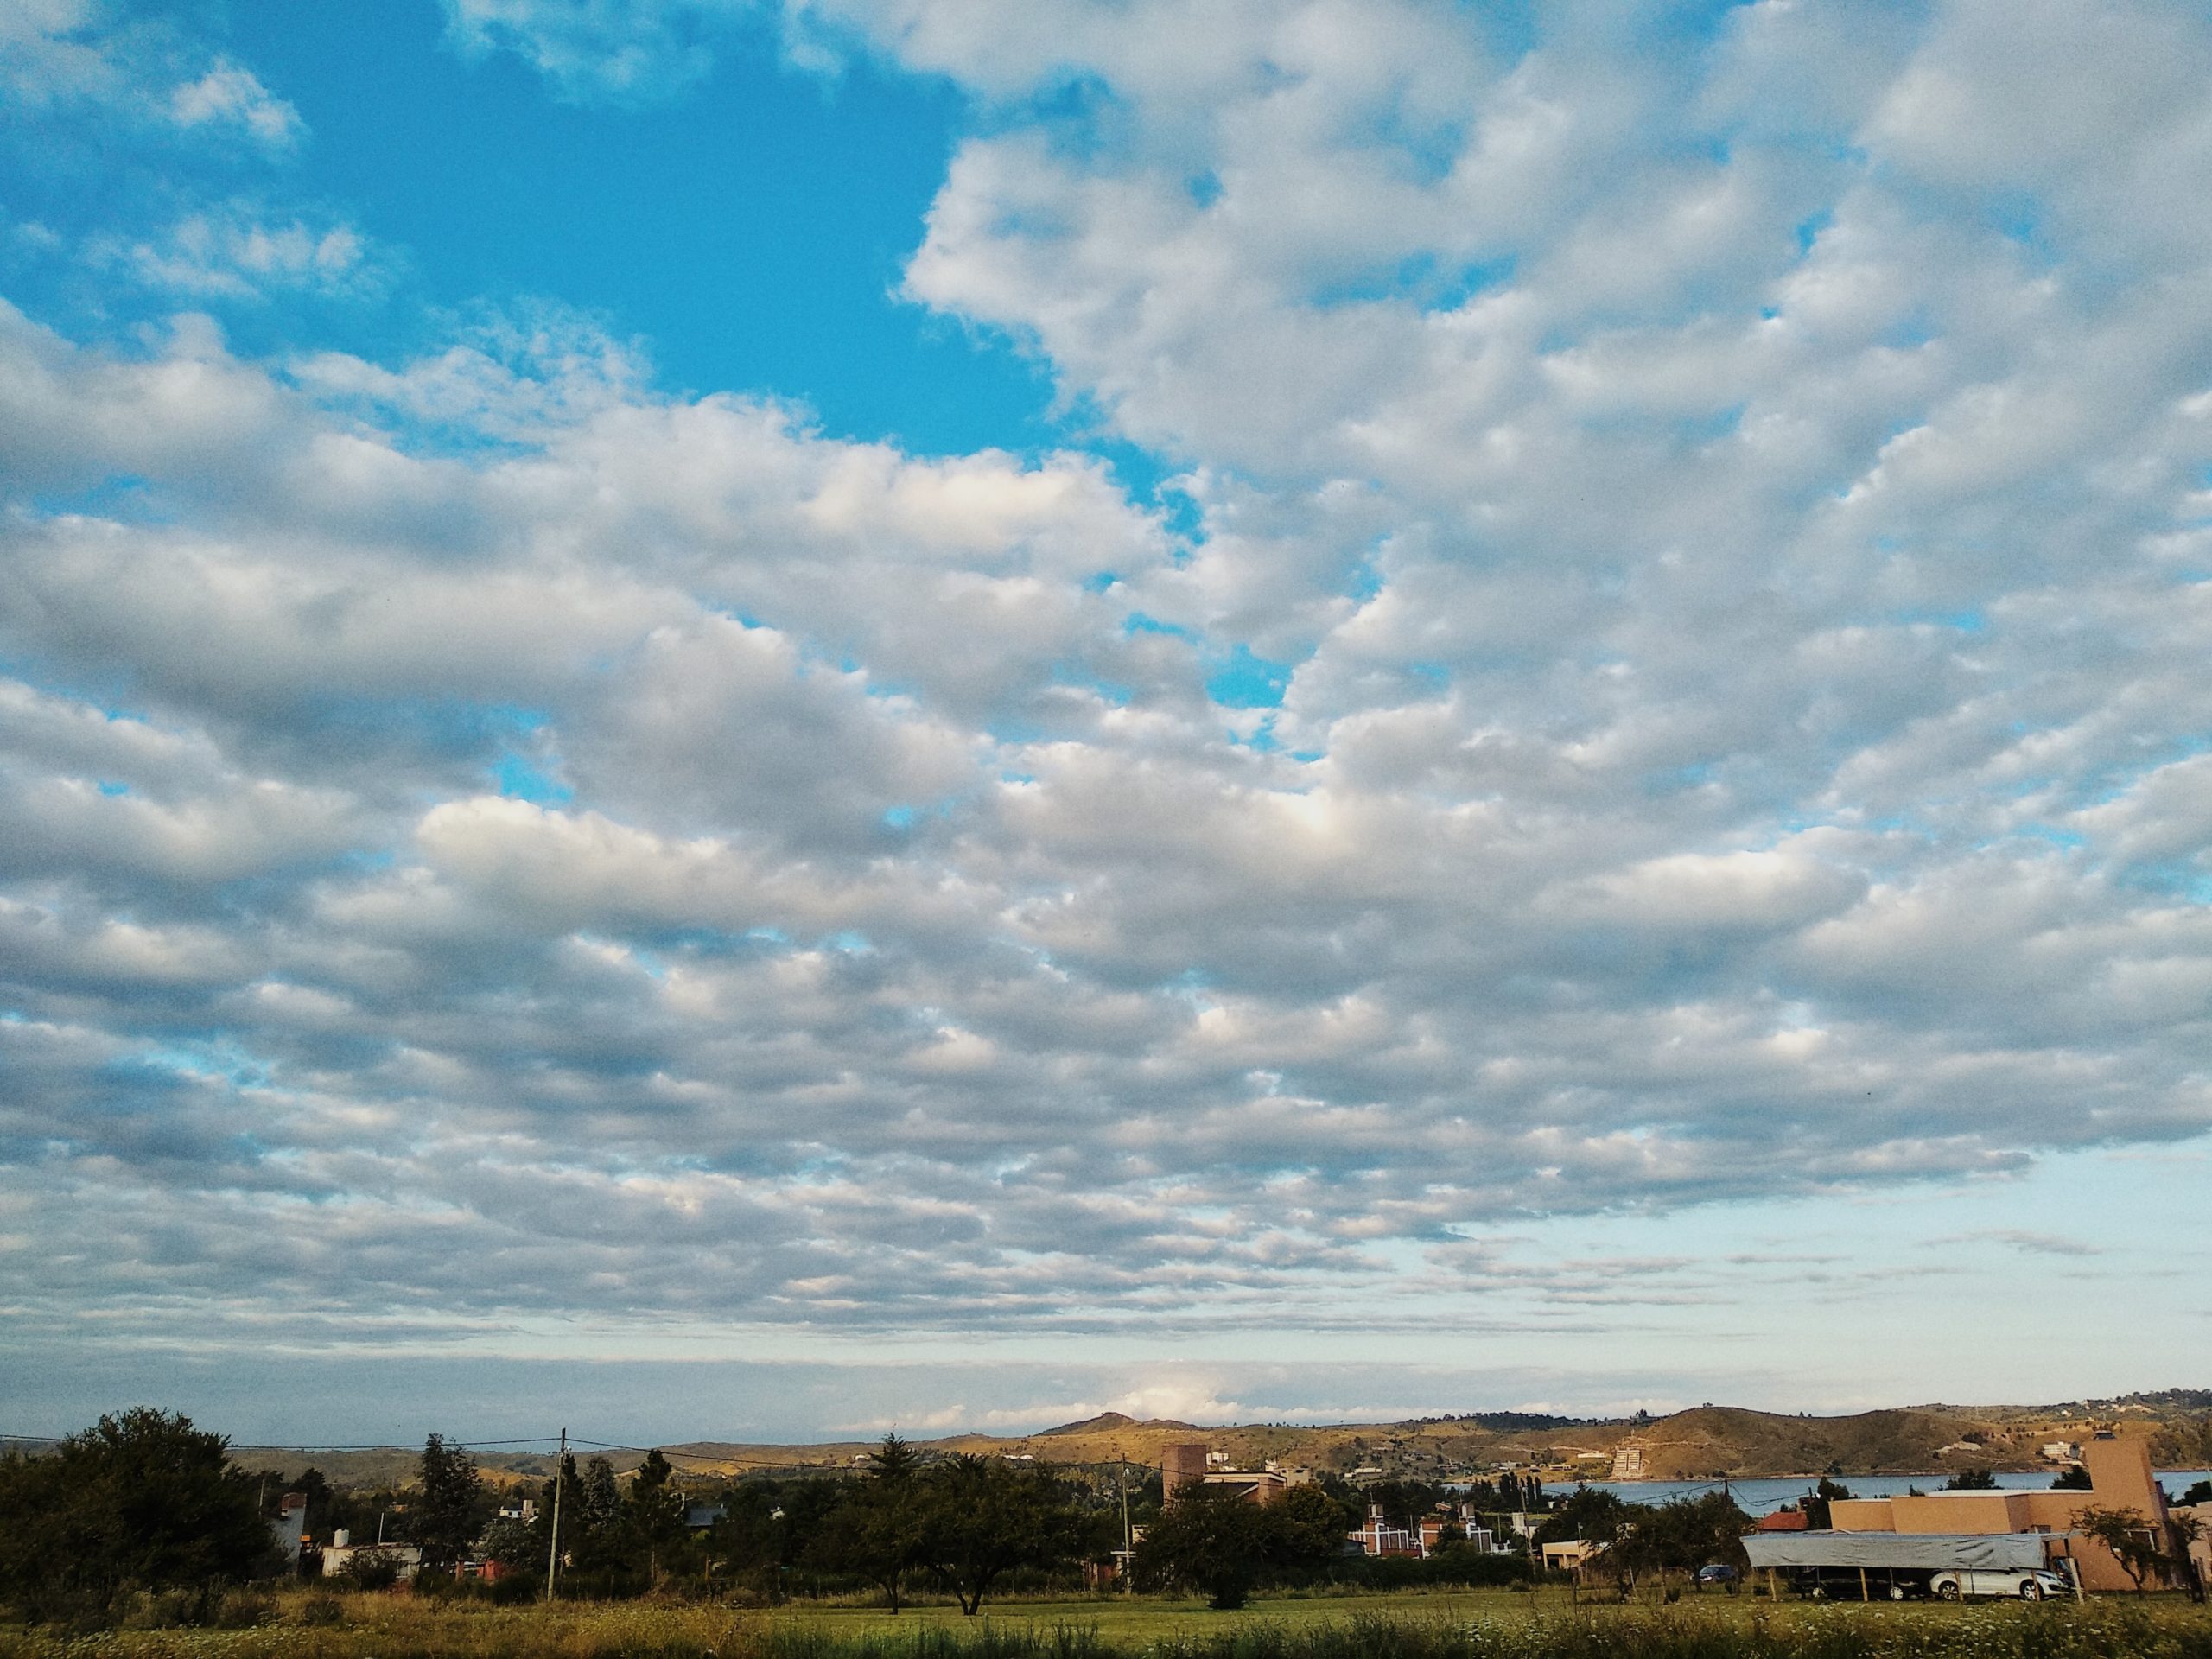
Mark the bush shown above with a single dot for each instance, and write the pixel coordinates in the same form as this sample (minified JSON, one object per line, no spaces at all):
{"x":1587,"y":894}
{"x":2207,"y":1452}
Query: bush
{"x":370,"y":1569}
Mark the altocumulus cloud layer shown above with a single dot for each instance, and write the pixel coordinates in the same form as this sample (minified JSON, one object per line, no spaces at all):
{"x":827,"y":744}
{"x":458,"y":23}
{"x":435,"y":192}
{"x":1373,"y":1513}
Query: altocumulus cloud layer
{"x":1671,"y":668}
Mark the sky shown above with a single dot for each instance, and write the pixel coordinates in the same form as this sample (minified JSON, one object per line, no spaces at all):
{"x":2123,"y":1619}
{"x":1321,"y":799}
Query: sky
{"x":768,"y":718}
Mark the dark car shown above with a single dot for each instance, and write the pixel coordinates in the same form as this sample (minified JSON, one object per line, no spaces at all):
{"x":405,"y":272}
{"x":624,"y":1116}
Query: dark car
{"x":1717,"y":1575}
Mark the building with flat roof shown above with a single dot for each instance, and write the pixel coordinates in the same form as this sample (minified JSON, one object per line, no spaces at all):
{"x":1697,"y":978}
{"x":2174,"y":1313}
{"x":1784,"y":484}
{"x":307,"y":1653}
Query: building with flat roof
{"x":2120,"y":1478}
{"x":1190,"y":1463}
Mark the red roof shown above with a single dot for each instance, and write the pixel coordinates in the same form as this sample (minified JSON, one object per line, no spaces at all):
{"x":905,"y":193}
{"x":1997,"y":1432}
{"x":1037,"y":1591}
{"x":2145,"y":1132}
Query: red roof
{"x":1785,"y":1521}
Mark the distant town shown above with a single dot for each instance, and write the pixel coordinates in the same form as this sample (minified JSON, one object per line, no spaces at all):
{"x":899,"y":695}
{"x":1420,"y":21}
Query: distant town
{"x":2062,"y":1502}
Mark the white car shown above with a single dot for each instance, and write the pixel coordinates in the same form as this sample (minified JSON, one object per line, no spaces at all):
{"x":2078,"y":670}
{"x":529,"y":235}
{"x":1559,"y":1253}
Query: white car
{"x":2026,"y":1587}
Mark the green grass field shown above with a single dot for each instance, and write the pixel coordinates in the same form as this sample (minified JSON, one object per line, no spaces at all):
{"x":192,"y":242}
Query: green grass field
{"x":1476,"y":1624}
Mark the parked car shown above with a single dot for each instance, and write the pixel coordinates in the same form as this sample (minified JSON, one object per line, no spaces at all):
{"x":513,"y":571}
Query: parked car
{"x":2026,"y":1587}
{"x":1717,"y":1575}
{"x":1850,"y":1584}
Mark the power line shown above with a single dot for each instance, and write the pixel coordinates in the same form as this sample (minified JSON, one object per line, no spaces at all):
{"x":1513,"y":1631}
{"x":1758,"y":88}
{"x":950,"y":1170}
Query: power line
{"x":260,"y":1446}
{"x":548,"y":1440}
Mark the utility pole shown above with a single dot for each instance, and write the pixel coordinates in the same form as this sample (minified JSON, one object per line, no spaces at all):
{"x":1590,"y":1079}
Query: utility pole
{"x":553,"y":1551}
{"x":1128,"y":1538}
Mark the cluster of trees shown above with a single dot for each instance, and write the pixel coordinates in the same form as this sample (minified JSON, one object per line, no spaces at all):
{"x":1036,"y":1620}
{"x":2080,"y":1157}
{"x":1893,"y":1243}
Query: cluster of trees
{"x":141,"y":1500}
{"x":965,"y":1524}
{"x":1643,"y":1539}
{"x":1210,"y":1538}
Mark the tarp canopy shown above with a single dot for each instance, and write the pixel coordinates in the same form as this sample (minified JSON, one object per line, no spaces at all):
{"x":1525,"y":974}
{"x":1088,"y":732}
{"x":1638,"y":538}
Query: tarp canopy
{"x":1994,"y":1552}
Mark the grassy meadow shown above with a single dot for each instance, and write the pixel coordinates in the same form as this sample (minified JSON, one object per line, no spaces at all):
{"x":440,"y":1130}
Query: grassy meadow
{"x":1477,"y":1624}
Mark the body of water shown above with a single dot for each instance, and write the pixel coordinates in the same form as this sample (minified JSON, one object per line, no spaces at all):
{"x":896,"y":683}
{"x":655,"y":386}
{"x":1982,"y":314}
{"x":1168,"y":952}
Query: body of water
{"x":1764,"y":1497}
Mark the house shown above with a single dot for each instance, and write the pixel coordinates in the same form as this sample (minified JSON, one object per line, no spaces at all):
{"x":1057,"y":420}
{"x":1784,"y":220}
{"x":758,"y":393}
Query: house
{"x":1571,"y":1554}
{"x":1192,"y":1464}
{"x":291,"y":1527}
{"x":2120,"y":1478}
{"x":1785,"y":1521}
{"x":341,"y":1551}
{"x":1379,"y":1537}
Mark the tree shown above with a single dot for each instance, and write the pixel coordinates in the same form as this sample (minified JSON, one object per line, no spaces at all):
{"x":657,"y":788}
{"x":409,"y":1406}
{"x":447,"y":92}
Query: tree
{"x":1210,"y":1536}
{"x":446,"y":1516}
{"x":1815,"y":1504}
{"x":1309,"y":1528}
{"x":1215,"y":1538}
{"x":1972,"y":1480}
{"x":2133,"y":1542}
{"x":2072,"y":1478}
{"x":653,"y":1515}
{"x":983,"y":1517}
{"x":140,"y":1499}
{"x":2200,"y":1492}
{"x":877,"y":1532}
{"x":513,"y":1542}
{"x":1594,"y":1515}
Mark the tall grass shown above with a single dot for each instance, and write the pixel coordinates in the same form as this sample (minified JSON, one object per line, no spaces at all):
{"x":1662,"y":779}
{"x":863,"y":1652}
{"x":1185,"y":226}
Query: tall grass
{"x":394,"y":1628}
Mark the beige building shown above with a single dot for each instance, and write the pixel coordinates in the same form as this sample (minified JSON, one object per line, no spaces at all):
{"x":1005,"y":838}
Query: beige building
{"x":2120,"y":1478}
{"x":1190,"y":1464}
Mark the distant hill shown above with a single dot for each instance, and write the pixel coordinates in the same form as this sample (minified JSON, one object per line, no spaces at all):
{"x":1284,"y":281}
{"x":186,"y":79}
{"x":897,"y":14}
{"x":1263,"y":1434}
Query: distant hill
{"x":1705,"y":1441}
{"x":1112,"y":1422}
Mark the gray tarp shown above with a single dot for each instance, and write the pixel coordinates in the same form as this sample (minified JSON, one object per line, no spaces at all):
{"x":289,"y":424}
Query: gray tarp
{"x":1994,"y":1552}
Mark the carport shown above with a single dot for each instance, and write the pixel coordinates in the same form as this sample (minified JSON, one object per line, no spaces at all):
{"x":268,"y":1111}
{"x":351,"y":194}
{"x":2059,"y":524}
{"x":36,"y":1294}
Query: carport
{"x":1880,"y":1557}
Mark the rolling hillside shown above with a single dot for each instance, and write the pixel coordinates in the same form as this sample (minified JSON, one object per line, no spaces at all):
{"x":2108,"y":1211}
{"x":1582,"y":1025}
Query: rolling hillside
{"x":1704,"y":1440}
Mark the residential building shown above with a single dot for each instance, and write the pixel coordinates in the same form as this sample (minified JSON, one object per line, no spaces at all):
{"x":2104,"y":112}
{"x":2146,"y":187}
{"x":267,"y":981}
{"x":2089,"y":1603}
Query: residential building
{"x":1569,"y":1555}
{"x":290,"y":1527}
{"x":2120,"y":1478}
{"x":1192,"y":1464}
{"x":342,"y":1551}
{"x":1379,"y":1537}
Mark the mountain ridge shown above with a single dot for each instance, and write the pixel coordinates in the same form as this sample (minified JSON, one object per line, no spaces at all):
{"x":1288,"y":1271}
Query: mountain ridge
{"x":1702,"y":1441}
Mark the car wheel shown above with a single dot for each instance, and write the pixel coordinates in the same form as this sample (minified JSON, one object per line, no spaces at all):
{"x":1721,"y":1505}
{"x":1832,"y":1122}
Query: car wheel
{"x":1948,"y":1591}
{"x":2031,"y":1590}
{"x":1819,"y":1593}
{"x":1897,"y":1592}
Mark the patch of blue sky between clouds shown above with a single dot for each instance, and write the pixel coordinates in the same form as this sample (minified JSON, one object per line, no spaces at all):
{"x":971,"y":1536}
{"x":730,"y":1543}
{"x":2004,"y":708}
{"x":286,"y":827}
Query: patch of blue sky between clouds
{"x":780,"y":204}
{"x":527,"y":777}
{"x":1246,"y":680}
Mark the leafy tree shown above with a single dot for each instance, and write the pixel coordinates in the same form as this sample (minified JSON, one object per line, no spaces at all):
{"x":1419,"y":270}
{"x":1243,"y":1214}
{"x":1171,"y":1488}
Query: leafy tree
{"x":983,"y":1517}
{"x":2072,"y":1478}
{"x":450,"y":1509}
{"x":513,"y":1542}
{"x":1210,"y":1536}
{"x":2133,"y":1542}
{"x":1594,"y":1515}
{"x":1814,"y":1505}
{"x":140,"y":1499}
{"x":878,"y":1531}
{"x":2200,"y":1492}
{"x":1972,"y":1480}
{"x":1215,"y":1538}
{"x":1309,"y":1528}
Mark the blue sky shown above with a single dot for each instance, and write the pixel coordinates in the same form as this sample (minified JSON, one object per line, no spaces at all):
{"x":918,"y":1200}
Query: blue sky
{"x":1279,"y":708}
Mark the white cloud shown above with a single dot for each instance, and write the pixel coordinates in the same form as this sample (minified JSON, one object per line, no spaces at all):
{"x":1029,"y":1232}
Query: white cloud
{"x":229,"y":94}
{"x":233,"y":254}
{"x":1729,"y":563}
